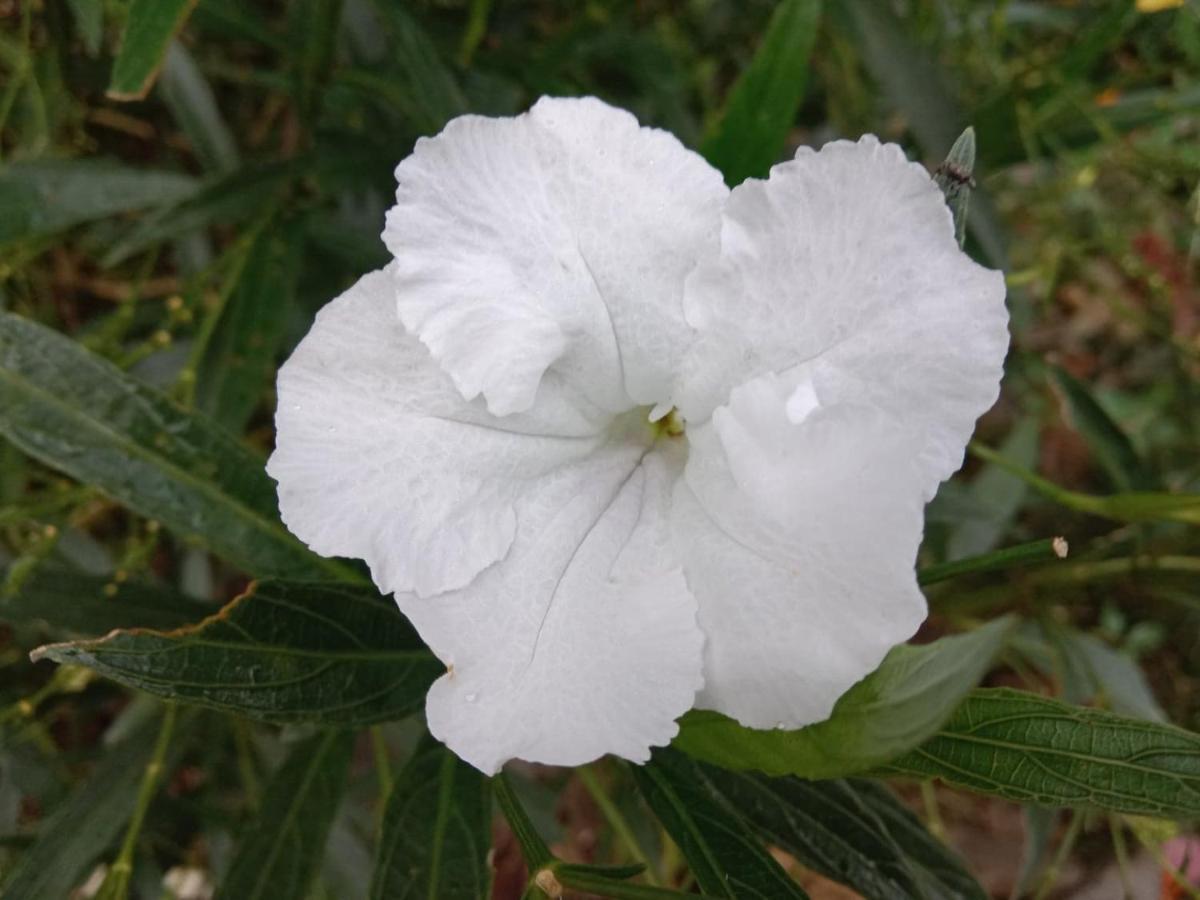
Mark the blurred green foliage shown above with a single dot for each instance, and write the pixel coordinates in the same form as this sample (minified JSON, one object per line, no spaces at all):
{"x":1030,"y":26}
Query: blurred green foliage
{"x":189,"y":237}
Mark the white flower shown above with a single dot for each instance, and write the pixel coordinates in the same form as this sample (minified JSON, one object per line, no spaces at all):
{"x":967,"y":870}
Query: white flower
{"x":475,"y":421}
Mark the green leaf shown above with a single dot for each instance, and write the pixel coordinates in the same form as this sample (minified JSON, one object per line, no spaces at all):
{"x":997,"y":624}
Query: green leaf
{"x":80,"y":414}
{"x":1110,"y":445}
{"x":280,"y":855}
{"x":188,"y":95}
{"x":149,"y":30}
{"x":84,"y":825}
{"x":223,"y":200}
{"x":998,"y":496}
{"x":1129,"y":506}
{"x":726,"y":858}
{"x":47,"y":196}
{"x":425,"y":88}
{"x":753,"y":130}
{"x":89,"y":19}
{"x":889,"y":712}
{"x":78,"y":603}
{"x":281,"y":652}
{"x":240,"y":358}
{"x":1096,"y":672}
{"x":853,"y":831}
{"x":436,"y":831}
{"x":313,"y":27}
{"x":1033,"y":749}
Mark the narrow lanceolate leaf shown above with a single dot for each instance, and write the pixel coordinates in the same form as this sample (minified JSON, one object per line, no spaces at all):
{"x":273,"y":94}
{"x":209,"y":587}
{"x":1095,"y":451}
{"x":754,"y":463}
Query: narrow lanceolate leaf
{"x":83,"y":826}
{"x":724,"y":855}
{"x":77,"y":603}
{"x":47,"y":196}
{"x":240,"y":358}
{"x":762,"y":106}
{"x":853,"y":831}
{"x":886,"y":714}
{"x":1108,"y":443}
{"x":280,"y":855}
{"x":436,"y":831}
{"x":78,"y":413}
{"x":148,"y":32}
{"x":1035,"y":750}
{"x":282,"y":652}
{"x":189,"y":96}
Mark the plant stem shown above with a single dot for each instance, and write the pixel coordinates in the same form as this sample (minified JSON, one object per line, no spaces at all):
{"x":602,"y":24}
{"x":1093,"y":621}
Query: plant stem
{"x":1060,"y":857}
{"x":615,"y":820}
{"x":1020,"y":555}
{"x":116,"y":883}
{"x":533,"y":848}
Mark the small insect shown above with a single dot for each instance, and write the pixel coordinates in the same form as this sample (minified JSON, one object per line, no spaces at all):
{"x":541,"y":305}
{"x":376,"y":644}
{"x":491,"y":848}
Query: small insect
{"x":954,"y":174}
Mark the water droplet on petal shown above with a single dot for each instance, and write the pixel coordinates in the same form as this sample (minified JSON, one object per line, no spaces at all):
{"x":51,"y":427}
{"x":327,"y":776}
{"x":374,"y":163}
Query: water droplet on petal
{"x":471,"y":697}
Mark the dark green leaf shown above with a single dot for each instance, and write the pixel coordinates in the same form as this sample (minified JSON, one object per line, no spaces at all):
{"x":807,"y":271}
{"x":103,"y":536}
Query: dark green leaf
{"x":425,"y":87}
{"x":78,"y":603}
{"x":762,"y":105}
{"x":436,"y":831}
{"x":41,"y":198}
{"x":854,"y":832}
{"x":280,"y":855}
{"x":1110,"y":445}
{"x":241,"y":354}
{"x":282,"y":652}
{"x":724,"y":856}
{"x":313,"y":28}
{"x":1033,"y":749}
{"x":79,"y":830}
{"x":228,"y":198}
{"x":886,"y":714}
{"x":149,"y":30}
{"x":189,"y":96}
{"x":78,"y":413}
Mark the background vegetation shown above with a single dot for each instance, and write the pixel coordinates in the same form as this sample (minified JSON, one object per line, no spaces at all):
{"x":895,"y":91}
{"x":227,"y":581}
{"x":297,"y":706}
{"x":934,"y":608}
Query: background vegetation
{"x":167,"y":234}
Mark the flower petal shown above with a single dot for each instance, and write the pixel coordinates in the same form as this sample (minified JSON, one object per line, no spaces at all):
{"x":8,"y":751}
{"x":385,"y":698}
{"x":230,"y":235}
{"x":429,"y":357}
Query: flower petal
{"x":799,"y":535}
{"x":842,"y":271}
{"x":558,"y":239}
{"x":583,"y":641}
{"x":378,"y":456}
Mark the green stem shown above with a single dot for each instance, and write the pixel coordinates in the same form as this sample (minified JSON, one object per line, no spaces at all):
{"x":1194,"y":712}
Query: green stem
{"x":1122,"y":854}
{"x":533,"y":848}
{"x":245,"y":763}
{"x":933,"y":815}
{"x":477,"y":20}
{"x":1009,"y":557}
{"x":1060,"y":857}
{"x":615,"y":820}
{"x":116,"y":883}
{"x":383,"y":765}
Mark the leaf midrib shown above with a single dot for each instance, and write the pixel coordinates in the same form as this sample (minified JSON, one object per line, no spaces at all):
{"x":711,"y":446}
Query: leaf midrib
{"x":221,"y":498}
